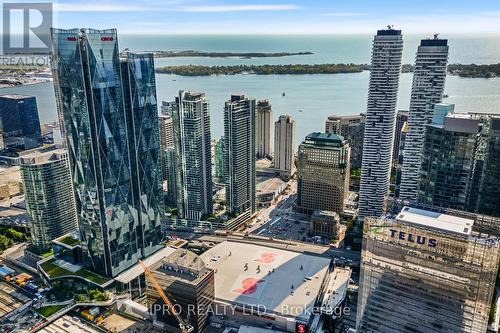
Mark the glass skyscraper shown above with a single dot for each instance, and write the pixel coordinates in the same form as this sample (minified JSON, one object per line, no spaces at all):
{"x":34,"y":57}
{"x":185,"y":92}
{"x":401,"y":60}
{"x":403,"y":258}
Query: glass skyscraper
{"x":239,"y":152}
{"x":426,"y":270}
{"x":192,"y":138}
{"x":461,"y":165}
{"x":108,"y":111}
{"x":19,"y":121}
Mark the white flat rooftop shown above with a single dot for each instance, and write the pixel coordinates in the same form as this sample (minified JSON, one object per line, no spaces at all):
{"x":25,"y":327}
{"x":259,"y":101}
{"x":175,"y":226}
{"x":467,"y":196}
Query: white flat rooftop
{"x":244,"y":276}
{"x":435,"y":220}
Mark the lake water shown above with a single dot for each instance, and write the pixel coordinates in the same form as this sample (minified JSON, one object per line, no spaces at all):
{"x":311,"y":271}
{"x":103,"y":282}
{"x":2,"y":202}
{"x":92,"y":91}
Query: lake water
{"x":309,"y":98}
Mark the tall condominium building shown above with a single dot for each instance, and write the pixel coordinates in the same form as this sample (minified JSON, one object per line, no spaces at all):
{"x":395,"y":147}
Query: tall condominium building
{"x":426,"y":271}
{"x":428,"y":85}
{"x":19,"y":122}
{"x":49,"y":196}
{"x":219,"y":159}
{"x":380,"y":122}
{"x":401,"y":147}
{"x":109,"y":113}
{"x":166,"y":131}
{"x":460,"y":164}
{"x":239,"y":152}
{"x":284,"y":146}
{"x":263,"y":128}
{"x":352,"y":128}
{"x":401,"y":121}
{"x":323,"y":173}
{"x":193,"y":155}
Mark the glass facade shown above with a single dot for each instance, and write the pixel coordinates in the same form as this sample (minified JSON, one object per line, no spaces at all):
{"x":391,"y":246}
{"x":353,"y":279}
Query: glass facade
{"x":106,"y":110}
{"x":193,"y":155}
{"x":49,"y":196}
{"x":239,"y":152}
{"x":461,"y":164}
{"x":19,"y":122}
{"x":424,"y":279}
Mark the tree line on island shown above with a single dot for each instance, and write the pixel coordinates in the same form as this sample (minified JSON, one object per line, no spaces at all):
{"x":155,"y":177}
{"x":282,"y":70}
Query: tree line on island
{"x":472,"y":70}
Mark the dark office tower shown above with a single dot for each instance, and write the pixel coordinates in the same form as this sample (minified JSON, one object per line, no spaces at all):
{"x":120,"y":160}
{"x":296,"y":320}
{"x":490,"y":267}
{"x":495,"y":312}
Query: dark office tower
{"x":239,"y":152}
{"x":108,"y":111}
{"x":380,"y":122}
{"x":429,"y":78}
{"x":488,"y":201}
{"x":401,"y":121}
{"x":193,"y":155}
{"x":19,"y":123}
{"x":460,"y":164}
{"x":263,"y":128}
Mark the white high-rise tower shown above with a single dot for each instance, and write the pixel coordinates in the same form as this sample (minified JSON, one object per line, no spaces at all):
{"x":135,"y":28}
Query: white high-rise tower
{"x":428,"y":86}
{"x":380,"y":121}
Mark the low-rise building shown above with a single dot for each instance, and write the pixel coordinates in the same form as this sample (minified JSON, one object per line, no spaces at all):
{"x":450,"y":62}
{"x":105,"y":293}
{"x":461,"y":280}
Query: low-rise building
{"x":327,"y":225}
{"x":189,"y":284}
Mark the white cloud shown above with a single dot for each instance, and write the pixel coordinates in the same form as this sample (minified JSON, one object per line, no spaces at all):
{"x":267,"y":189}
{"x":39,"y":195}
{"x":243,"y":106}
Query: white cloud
{"x":237,"y":8}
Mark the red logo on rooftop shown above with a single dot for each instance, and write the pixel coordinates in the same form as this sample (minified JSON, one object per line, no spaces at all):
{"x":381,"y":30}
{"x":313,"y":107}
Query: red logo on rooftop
{"x":248,"y":286}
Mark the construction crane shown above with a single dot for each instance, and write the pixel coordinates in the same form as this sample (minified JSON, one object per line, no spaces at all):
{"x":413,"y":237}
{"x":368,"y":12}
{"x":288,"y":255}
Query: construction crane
{"x":183,"y":325}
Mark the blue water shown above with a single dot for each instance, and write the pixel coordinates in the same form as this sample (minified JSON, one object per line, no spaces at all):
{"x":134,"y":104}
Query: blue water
{"x":309,"y":98}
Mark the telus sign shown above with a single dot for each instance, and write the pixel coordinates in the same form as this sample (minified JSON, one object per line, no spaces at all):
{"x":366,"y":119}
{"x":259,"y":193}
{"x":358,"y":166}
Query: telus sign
{"x":411,"y":238}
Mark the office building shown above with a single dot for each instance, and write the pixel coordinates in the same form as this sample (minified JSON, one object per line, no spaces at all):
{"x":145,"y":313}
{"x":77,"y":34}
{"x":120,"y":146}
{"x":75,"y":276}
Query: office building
{"x":323,"y":173}
{"x":352,"y":128}
{"x":460,"y":165}
{"x":19,"y":122}
{"x":170,"y":184}
{"x":219,"y":160}
{"x":109,"y":113}
{"x":401,"y":121}
{"x":239,"y":152}
{"x":426,"y":271}
{"x":49,"y":196}
{"x":166,"y":131}
{"x":184,"y":277}
{"x":193,"y":155}
{"x":380,"y":122}
{"x":429,"y":78}
{"x":327,"y":225}
{"x":284,"y":147}
{"x":401,"y":147}
{"x":263,"y":128}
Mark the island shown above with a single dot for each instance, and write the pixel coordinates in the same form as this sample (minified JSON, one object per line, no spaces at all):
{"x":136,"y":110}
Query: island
{"x":198,"y":70}
{"x":470,"y":71}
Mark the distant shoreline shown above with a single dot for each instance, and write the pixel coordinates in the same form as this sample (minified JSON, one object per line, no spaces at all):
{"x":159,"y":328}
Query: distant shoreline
{"x":246,"y":55}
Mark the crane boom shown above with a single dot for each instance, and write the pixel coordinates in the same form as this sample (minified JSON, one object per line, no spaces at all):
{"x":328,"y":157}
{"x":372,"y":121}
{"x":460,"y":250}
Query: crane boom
{"x":185,"y":327}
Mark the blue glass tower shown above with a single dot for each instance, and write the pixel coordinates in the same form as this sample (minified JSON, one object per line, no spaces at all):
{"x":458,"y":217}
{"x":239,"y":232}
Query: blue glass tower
{"x":107,"y":108}
{"x":19,"y":122}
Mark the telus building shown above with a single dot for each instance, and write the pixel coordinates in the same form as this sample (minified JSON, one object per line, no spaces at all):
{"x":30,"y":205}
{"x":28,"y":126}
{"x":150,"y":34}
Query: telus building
{"x":426,"y":271}
{"x":108,"y":110}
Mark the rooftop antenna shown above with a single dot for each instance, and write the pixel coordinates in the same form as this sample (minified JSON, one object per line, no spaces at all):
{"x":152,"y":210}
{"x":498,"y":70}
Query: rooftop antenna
{"x":436,"y":36}
{"x":390,"y":26}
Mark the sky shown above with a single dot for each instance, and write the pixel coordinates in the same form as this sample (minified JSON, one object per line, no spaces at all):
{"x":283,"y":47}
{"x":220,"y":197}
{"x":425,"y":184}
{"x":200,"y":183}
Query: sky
{"x":280,"y":16}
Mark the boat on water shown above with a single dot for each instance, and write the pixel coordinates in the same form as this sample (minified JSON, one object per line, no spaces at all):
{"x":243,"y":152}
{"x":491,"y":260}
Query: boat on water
{"x":283,"y":94}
